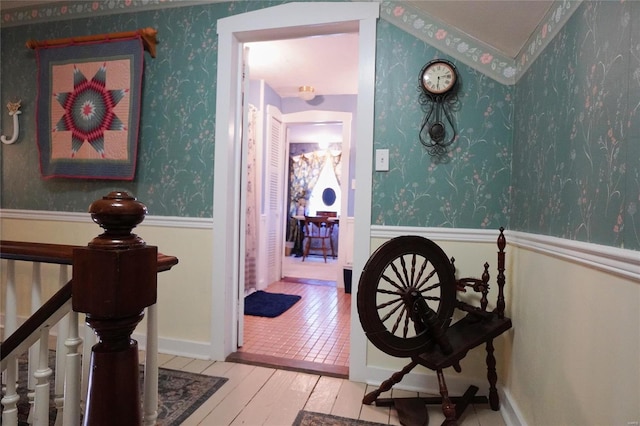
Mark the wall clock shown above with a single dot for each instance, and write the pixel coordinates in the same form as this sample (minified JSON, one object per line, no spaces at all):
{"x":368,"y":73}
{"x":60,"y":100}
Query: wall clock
{"x":439,"y":83}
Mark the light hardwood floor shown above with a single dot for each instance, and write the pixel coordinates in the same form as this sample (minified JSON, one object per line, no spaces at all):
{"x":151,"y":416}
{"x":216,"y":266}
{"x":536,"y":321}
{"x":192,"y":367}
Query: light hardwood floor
{"x":256,"y":395}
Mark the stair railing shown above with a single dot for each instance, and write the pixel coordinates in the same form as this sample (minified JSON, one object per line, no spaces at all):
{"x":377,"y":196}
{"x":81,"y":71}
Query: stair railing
{"x":117,"y":213}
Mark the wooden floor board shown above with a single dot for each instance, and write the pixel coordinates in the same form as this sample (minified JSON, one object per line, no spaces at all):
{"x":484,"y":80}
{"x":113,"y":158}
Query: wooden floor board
{"x":324,"y":395}
{"x":292,"y":400}
{"x":233,"y":404}
{"x":349,"y":401}
{"x":255,"y":395}
{"x":266,"y":399}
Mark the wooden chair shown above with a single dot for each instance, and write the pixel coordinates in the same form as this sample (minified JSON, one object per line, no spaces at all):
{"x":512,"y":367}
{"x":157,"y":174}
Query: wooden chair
{"x":318,"y":228}
{"x":407,"y":296}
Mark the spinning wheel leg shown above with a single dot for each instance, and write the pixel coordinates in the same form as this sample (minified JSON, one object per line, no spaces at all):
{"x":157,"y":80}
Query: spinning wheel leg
{"x":448,"y":408}
{"x":494,"y":399}
{"x":388,"y":384}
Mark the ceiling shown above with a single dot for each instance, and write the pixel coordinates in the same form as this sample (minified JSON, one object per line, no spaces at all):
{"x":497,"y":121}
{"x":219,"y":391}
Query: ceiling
{"x":329,"y":63}
{"x":505,"y":25}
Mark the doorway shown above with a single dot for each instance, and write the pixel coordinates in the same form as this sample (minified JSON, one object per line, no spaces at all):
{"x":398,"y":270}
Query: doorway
{"x":315,"y":332}
{"x":292,"y":20}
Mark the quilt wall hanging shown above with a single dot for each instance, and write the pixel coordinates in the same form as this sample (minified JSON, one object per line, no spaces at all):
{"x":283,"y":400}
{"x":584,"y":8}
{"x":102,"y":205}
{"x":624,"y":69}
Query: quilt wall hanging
{"x":88,"y":106}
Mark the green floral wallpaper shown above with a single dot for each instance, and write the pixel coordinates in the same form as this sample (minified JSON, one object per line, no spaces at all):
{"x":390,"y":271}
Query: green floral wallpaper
{"x":556,"y":154}
{"x":468,"y":190}
{"x":175,"y":159}
{"x":576,"y":162}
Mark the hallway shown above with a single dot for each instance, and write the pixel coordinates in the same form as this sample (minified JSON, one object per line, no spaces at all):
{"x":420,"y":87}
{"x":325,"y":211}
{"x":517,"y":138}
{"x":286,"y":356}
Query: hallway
{"x":312,"y":336}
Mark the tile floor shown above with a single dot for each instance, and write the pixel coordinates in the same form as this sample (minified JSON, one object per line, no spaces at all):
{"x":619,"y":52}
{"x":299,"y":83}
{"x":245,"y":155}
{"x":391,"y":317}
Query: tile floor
{"x":314,"y":333}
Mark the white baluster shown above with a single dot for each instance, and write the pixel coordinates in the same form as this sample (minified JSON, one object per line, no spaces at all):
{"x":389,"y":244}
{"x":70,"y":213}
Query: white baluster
{"x":42,"y":374}
{"x":36,"y":302}
{"x":71,"y":412}
{"x":90,"y":339}
{"x":150,"y":404}
{"x":11,"y":304}
{"x":10,"y":375}
{"x":61,"y":352}
{"x":10,"y":398}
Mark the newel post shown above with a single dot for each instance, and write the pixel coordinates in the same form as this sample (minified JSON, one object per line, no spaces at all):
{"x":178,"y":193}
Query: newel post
{"x":114,"y":279}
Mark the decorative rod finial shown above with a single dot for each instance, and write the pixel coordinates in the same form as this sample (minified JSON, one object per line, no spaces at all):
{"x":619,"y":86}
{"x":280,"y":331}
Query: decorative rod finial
{"x":117,"y":213}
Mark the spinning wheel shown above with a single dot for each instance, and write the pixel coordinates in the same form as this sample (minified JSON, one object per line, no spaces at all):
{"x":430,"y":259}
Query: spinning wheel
{"x":406,"y":278}
{"x":407,"y":294}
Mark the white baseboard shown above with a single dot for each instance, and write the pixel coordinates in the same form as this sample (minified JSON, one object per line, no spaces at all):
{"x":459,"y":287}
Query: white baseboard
{"x":509,"y":409}
{"x":185,"y":348}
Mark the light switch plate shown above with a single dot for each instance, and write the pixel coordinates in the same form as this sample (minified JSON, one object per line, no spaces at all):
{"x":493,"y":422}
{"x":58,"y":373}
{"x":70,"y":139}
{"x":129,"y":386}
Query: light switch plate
{"x":382,"y":160}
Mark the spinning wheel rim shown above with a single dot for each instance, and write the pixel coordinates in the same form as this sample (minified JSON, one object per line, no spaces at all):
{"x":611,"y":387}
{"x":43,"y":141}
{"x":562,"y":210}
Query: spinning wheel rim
{"x":400,"y":269}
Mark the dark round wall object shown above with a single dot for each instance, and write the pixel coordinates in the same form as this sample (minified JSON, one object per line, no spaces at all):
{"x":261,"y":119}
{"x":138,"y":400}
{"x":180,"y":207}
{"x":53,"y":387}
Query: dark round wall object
{"x":328,"y":196}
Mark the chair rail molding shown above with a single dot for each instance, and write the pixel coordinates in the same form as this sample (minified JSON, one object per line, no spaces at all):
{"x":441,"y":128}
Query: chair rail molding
{"x":614,"y":260}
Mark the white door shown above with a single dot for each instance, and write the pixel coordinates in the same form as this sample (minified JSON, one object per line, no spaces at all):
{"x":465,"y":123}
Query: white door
{"x":243,"y":194}
{"x":275,"y":153}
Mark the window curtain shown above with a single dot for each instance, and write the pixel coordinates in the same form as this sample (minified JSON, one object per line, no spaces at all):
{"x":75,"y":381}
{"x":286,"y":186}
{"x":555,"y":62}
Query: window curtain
{"x":304,"y":172}
{"x":251,"y":228}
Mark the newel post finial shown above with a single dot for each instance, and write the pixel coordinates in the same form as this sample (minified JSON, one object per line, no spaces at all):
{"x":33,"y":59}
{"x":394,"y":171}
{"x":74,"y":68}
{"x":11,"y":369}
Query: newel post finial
{"x":117,"y":213}
{"x":114,"y":280}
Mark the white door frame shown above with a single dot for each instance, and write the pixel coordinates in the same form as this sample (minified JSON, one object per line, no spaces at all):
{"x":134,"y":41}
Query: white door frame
{"x":284,"y":21}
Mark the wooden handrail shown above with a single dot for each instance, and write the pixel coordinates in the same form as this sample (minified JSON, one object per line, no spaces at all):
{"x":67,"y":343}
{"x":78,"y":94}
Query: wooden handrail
{"x":60,"y":254}
{"x":26,"y":334}
{"x":47,"y":253}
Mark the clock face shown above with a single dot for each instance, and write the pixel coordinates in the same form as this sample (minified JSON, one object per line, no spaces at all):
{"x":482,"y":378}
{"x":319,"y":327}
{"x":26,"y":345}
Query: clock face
{"x":439,"y":77}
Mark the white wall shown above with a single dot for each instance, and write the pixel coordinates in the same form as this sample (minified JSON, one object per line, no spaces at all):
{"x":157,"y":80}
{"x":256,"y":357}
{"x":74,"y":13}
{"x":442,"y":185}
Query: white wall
{"x":572,"y":357}
{"x":575,"y":355}
{"x":184,"y":292}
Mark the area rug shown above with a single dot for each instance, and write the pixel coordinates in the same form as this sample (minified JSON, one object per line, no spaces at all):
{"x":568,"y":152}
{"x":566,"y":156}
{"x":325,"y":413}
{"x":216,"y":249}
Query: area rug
{"x":179,"y":393}
{"x":309,"y":418}
{"x":271,"y":305}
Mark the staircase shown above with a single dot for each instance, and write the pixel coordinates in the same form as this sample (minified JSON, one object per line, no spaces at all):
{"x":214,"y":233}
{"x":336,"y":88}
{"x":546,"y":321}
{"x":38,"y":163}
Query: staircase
{"x":113,"y":285}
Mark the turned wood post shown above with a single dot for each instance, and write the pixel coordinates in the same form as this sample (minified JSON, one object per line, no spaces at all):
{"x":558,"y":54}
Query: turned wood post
{"x":114,"y":279}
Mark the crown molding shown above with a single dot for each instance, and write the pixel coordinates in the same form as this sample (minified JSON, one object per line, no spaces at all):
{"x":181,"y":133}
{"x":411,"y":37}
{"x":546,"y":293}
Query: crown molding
{"x":446,"y":38}
{"x":450,"y":40}
{"x":59,"y":11}
{"x":472,"y":52}
{"x":554,"y":20}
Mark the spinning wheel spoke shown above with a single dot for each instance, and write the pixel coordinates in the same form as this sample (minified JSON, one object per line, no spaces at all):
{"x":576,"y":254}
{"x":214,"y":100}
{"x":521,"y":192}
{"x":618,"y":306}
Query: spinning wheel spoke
{"x":403,"y":313}
{"x":426,"y":280}
{"x":413,"y":268}
{"x":393,"y":266}
{"x":393,"y":283}
{"x":406,"y":327}
{"x":422,"y":268}
{"x":431,"y":287}
{"x":404,"y":270}
{"x":383,"y":291}
{"x":397,"y":275}
{"x":393,"y":311}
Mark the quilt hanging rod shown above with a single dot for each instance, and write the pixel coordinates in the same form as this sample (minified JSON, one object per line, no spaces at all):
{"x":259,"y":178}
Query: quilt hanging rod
{"x":148,"y":36}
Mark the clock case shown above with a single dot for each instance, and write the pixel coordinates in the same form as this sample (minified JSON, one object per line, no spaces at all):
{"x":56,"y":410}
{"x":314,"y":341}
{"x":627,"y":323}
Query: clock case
{"x":438,"y":129}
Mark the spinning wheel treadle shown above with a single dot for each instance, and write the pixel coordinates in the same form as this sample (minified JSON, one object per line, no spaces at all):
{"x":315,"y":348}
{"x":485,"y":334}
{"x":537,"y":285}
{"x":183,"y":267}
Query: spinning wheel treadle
{"x":402,"y":275}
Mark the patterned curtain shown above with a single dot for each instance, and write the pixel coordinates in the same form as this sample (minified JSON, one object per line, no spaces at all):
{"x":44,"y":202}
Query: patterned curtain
{"x":303,"y":175}
{"x":336,"y":157}
{"x":251,"y":229}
